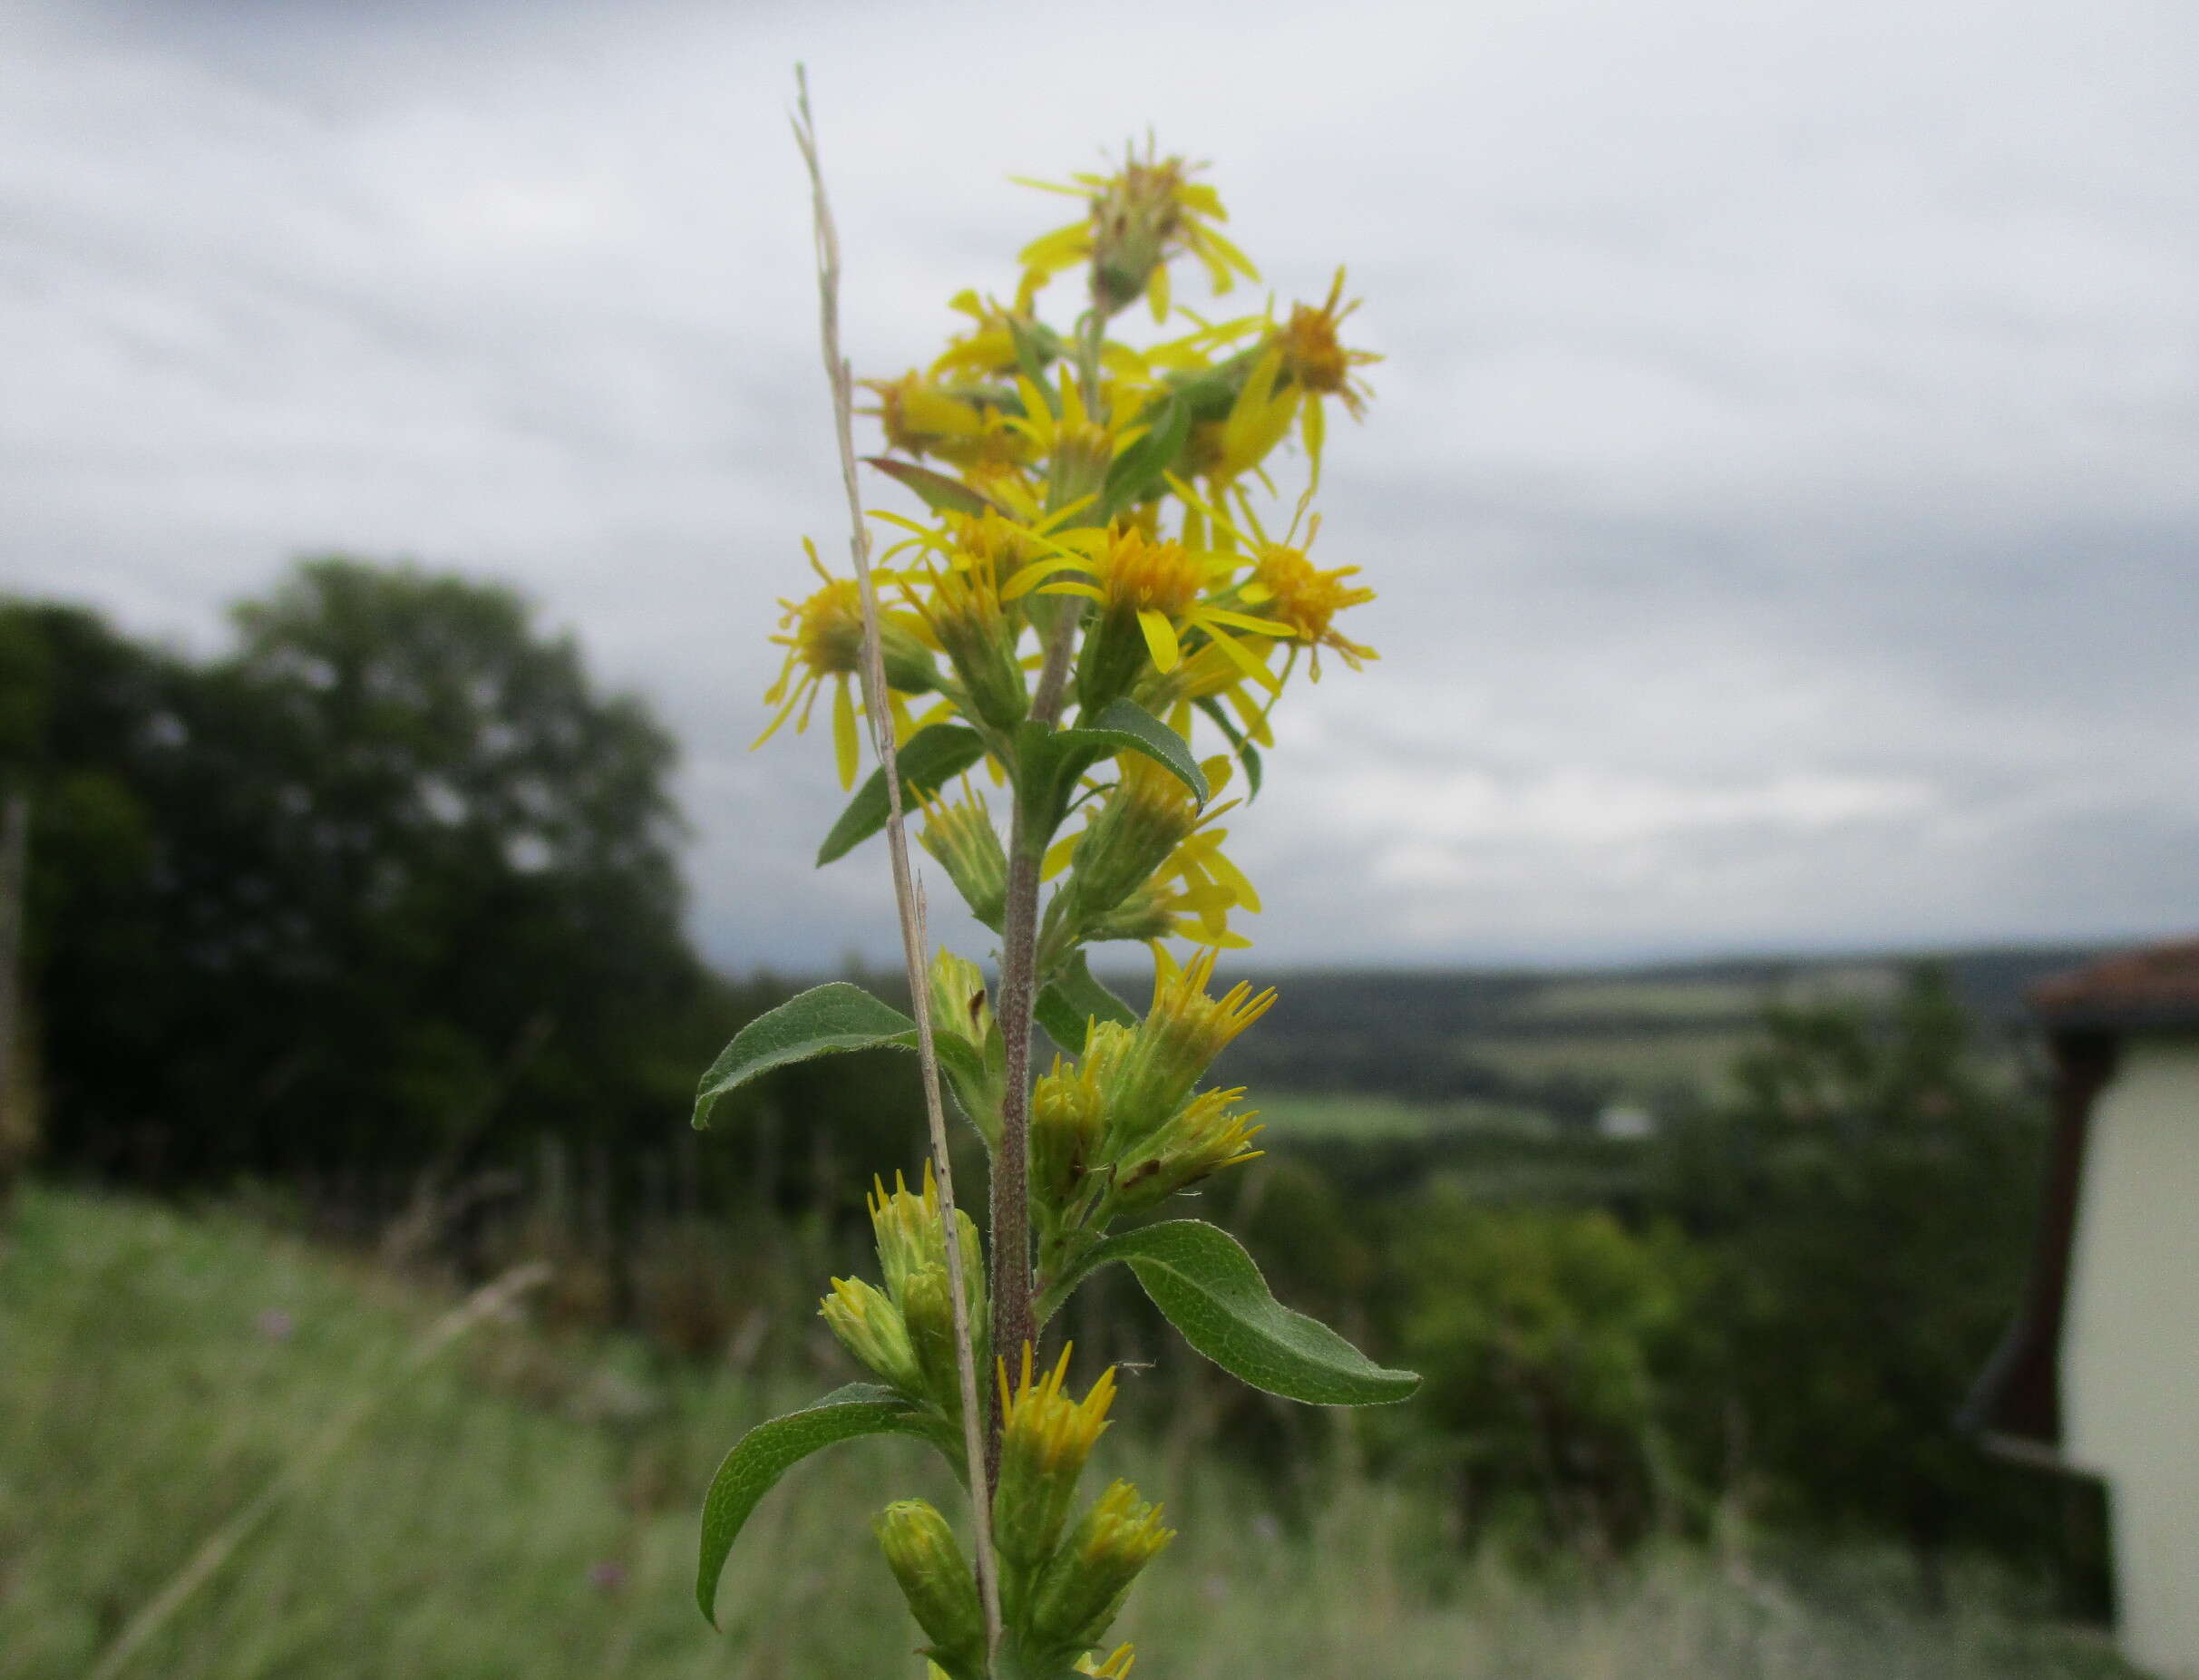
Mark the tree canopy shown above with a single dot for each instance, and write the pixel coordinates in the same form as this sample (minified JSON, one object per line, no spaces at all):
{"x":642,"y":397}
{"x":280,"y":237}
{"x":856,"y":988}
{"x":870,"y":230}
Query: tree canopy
{"x":390,"y":878}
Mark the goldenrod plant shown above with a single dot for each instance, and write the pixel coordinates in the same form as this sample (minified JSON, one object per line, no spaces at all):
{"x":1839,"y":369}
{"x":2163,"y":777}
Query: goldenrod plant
{"x":1089,"y":623}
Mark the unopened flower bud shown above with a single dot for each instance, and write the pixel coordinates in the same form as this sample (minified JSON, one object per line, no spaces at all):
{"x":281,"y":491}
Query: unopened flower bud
{"x":962,"y":838}
{"x":910,"y":668}
{"x":1207,"y":1134}
{"x":1084,"y":1586}
{"x":1151,"y":1071}
{"x":911,"y":1236}
{"x":928,"y":1308}
{"x":1142,"y":821}
{"x":869,"y":1325}
{"x":979,"y":635}
{"x":936,"y":1580}
{"x":1066,"y":1125}
{"x":1045,"y":1438}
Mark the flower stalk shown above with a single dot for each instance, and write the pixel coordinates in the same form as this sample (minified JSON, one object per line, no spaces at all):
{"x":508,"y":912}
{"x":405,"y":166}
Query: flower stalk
{"x":1069,"y":543}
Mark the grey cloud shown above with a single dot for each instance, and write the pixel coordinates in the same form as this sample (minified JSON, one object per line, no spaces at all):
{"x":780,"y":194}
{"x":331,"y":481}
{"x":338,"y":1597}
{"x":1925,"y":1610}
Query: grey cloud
{"x":1779,"y":487}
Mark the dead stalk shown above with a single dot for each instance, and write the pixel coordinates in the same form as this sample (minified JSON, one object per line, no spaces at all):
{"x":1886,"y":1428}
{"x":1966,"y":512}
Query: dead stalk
{"x":908,"y":893}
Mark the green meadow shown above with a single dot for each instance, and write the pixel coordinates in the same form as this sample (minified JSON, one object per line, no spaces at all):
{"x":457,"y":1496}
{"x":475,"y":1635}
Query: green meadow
{"x":525,"y":1503}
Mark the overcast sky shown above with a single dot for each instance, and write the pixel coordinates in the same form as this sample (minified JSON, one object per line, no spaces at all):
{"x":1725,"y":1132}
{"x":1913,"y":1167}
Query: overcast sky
{"x":1783,"y":486}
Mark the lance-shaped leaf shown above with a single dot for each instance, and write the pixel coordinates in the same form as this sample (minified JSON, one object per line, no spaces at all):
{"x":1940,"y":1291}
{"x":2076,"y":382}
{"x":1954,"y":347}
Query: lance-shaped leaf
{"x":1126,"y":726}
{"x":1074,"y":997}
{"x":1141,"y":470}
{"x":836,"y":1016}
{"x":1207,"y":1286}
{"x":769,"y":1450}
{"x":815,"y":1022}
{"x":926,"y":759}
{"x":1247,"y":753}
{"x":940,"y":493}
{"x":1056,"y":758}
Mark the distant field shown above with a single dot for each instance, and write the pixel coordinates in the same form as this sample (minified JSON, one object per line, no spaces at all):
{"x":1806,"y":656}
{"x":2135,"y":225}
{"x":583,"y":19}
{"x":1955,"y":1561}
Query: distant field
{"x":526,"y":1506}
{"x":1637,"y":1065}
{"x":1382,"y":1119}
{"x":1574,"y":1000}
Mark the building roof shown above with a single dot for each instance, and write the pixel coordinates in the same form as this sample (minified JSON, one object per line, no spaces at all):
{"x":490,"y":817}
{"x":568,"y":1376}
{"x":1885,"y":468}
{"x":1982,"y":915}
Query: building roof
{"x":2017,"y":1402}
{"x":2155,"y":987}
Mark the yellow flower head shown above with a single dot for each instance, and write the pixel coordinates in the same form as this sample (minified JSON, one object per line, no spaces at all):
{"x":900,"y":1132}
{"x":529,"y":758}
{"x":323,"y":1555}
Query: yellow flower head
{"x":911,"y":1234}
{"x":1066,"y":1121}
{"x":868,"y":1324}
{"x":1119,"y":1663}
{"x":1316,"y":358}
{"x":921,"y":417}
{"x":1140,"y":218}
{"x":823,"y":636}
{"x":1296,"y":593}
{"x":988,"y":349}
{"x":963,"y":611}
{"x":1078,"y":441}
{"x":1197,"y":888}
{"x":1153,"y":595}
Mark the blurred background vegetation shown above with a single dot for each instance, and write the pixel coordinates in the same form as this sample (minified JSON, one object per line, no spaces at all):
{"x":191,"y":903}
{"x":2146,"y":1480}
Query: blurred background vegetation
{"x":361,"y":943}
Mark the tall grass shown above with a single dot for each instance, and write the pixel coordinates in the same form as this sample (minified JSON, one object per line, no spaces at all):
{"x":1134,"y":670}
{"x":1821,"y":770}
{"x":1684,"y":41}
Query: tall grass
{"x":526,"y":1506}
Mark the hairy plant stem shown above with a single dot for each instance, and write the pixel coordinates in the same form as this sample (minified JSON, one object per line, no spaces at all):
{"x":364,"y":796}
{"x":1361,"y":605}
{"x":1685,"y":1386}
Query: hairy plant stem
{"x":1011,"y":1211}
{"x":908,"y":892}
{"x":1013,"y":1324}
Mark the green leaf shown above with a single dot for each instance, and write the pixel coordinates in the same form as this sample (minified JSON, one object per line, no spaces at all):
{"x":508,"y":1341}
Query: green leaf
{"x":1247,"y":753}
{"x":823,"y":1019}
{"x":1142,"y":468}
{"x":1075,"y":998}
{"x":1126,"y":726}
{"x":768,"y":1451}
{"x":1032,"y":352}
{"x":927,"y":759}
{"x":1207,"y":1286}
{"x":940,"y":493}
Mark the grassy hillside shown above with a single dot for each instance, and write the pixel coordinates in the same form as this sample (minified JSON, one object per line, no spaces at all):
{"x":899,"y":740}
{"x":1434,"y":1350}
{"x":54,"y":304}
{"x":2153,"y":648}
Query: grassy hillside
{"x":525,"y":1505}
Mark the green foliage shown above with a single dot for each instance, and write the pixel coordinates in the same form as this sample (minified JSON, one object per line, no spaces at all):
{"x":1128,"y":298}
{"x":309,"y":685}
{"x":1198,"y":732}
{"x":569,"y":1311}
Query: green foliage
{"x":1868,"y":1200}
{"x":392,"y":862}
{"x":1551,"y":1340}
{"x":1073,"y":999}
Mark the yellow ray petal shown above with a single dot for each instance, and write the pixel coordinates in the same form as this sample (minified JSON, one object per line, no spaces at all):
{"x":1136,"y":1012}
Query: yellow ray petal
{"x":1160,"y":639}
{"x":844,"y":743}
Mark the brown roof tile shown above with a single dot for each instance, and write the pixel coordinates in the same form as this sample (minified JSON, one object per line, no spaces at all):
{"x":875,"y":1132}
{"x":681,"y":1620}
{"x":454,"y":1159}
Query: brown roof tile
{"x":2155,"y":987}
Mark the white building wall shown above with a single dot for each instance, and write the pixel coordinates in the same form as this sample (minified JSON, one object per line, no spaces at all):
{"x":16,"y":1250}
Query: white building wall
{"x":2130,"y":1343}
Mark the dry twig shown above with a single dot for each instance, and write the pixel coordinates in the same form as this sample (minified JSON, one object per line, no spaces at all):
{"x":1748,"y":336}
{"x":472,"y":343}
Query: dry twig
{"x":908,"y":892}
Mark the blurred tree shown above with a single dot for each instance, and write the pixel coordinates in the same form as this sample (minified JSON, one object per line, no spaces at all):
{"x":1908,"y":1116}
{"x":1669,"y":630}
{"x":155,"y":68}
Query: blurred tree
{"x":1868,"y":1195}
{"x":388,"y":881}
{"x":1548,"y":1337}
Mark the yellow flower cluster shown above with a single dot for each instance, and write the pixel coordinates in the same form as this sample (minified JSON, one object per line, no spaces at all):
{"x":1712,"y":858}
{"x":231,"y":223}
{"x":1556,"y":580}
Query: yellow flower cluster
{"x":1057,"y":466}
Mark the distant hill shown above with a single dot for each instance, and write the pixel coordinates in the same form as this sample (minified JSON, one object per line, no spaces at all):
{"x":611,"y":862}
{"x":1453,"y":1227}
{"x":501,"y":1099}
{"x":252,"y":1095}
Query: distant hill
{"x":1567,"y":1044}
